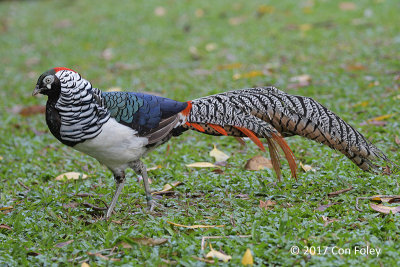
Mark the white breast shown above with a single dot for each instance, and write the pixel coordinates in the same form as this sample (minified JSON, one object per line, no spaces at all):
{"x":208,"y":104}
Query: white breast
{"x":115,"y":146}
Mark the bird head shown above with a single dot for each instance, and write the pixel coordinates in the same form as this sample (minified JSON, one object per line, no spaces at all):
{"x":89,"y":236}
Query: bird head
{"x":49,"y":83}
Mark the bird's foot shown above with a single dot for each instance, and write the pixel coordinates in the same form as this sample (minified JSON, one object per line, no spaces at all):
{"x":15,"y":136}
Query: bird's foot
{"x":152,"y":204}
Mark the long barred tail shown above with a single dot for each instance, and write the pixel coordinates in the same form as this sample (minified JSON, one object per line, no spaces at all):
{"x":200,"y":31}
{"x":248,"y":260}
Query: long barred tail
{"x":267,"y":112}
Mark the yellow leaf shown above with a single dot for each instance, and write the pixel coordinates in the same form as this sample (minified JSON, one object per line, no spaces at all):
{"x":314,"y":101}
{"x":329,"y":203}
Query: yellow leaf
{"x":384,"y":198}
{"x":381,"y":118}
{"x":306,"y":167}
{"x":264,"y":9}
{"x":71,"y":176}
{"x":199,"y":12}
{"x":167,"y":187}
{"x":195,"y":226}
{"x":229,"y":66}
{"x":305,"y":27}
{"x":1,"y":158}
{"x":211,"y":47}
{"x":218,"y":154}
{"x":114,"y":89}
{"x":258,"y":163}
{"x":219,"y":255}
{"x":6,"y":208}
{"x":362,"y":104}
{"x":247,"y":258}
{"x":202,"y":165}
{"x":84,"y":264}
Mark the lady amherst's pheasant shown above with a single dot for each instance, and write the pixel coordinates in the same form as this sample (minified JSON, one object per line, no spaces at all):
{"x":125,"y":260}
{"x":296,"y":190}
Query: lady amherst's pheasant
{"x":118,"y":128}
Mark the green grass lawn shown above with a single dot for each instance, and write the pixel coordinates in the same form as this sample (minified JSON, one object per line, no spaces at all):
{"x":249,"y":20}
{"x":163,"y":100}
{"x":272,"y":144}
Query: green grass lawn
{"x":184,"y":50}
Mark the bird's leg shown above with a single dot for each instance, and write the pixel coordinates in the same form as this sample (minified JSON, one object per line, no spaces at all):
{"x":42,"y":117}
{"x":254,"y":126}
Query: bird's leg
{"x":140,"y":169}
{"x":120,"y":182}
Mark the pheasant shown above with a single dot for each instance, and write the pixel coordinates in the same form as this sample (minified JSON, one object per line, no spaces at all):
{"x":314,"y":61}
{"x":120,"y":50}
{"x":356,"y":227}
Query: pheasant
{"x":119,"y":128}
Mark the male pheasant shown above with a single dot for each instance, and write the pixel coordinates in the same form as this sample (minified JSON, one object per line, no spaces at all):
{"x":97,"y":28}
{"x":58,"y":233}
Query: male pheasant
{"x":118,"y":128}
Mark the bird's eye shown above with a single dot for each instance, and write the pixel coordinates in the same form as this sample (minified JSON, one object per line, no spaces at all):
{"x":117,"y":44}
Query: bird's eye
{"x":48,"y":79}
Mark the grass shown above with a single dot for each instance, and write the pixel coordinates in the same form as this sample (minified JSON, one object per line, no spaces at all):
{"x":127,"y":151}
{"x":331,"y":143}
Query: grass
{"x":351,"y":55}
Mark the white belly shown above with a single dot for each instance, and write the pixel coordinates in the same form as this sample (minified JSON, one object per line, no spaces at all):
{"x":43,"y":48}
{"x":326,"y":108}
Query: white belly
{"x":115,"y":146}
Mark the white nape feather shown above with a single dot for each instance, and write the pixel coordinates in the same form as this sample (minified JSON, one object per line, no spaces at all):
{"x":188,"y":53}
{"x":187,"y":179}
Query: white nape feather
{"x":115,"y":146}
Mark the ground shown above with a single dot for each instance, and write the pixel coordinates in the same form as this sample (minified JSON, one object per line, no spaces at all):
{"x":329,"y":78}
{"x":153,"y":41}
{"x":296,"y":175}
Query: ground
{"x":347,"y":54}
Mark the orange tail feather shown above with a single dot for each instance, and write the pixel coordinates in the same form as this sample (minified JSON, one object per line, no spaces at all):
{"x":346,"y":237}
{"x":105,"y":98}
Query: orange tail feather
{"x":288,"y":153}
{"x":252,"y":136}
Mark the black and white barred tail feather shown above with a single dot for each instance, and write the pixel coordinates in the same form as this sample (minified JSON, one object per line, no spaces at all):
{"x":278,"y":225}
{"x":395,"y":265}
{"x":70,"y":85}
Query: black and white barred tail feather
{"x":267,"y":111}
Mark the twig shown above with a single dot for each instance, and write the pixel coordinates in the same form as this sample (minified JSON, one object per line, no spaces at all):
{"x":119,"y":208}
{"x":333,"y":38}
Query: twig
{"x":357,"y":208}
{"x":332,"y":194}
{"x":24,"y":186}
{"x":88,"y":205}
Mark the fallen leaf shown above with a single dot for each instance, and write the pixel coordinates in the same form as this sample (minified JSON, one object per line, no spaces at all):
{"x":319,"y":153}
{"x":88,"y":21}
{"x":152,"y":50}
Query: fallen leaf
{"x":300,"y":81}
{"x":167,"y":187}
{"x":347,"y":6}
{"x":355,"y":67}
{"x":396,"y":139}
{"x":32,"y":110}
{"x":250,"y":74}
{"x":385,"y":209}
{"x":4,"y":226}
{"x":114,"y":89}
{"x":217,"y":254}
{"x":160,"y":11}
{"x":63,"y":244}
{"x":84,"y":264}
{"x":258,"y":163}
{"x":266,"y":204}
{"x":6,"y":208}
{"x":211,"y":47}
{"x":70,"y":205}
{"x":306,"y":167}
{"x":62,"y":24}
{"x":324,"y":207}
{"x":218,"y":154}
{"x":1,"y":158}
{"x":199,"y":13}
{"x":247,"y":258}
{"x":265,"y":9}
{"x":385,"y":199}
{"x":305,"y":27}
{"x":362,"y":104}
{"x":102,"y":256}
{"x":380,"y":118}
{"x":202,"y":165}
{"x":195,"y":226}
{"x":71,"y":176}
{"x":147,"y":241}
{"x":230,"y":66}
{"x":376,"y":123}
{"x":154,"y":168}
{"x":237,"y":20}
{"x":107,"y":54}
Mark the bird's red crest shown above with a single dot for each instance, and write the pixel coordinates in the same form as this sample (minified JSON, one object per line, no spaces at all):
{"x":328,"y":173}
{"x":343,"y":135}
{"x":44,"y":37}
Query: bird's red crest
{"x":61,"y":68}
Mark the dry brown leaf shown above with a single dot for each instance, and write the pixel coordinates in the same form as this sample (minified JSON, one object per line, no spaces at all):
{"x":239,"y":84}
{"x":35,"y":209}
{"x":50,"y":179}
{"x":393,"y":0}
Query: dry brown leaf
{"x":107,"y":54}
{"x":6,"y":208}
{"x":305,"y":27}
{"x":300,"y":81}
{"x":247,"y":258}
{"x":332,"y":194}
{"x":1,"y":158}
{"x":324,"y":207}
{"x":63,"y":244}
{"x":195,"y":226}
{"x":102,"y":256}
{"x":265,"y":9}
{"x":385,"y":199}
{"x":237,"y":20}
{"x":154,"y":168}
{"x":32,"y":110}
{"x":70,"y":205}
{"x":211,"y":47}
{"x":230,"y":66}
{"x":4,"y":226}
{"x":218,"y":154}
{"x":397,"y":140}
{"x":202,"y":165}
{"x":160,"y":11}
{"x":71,"y":176}
{"x":266,"y":204}
{"x":199,"y":13}
{"x":167,"y":187}
{"x":147,"y":241}
{"x":219,"y":255}
{"x":355,"y":67}
{"x":84,"y":264}
{"x":385,"y":209}
{"x":362,"y":104}
{"x":347,"y":6}
{"x":306,"y":167}
{"x":258,"y":163}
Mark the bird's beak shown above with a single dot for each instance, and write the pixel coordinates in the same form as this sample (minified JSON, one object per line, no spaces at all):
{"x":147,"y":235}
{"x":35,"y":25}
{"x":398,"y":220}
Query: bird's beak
{"x":36,"y":91}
